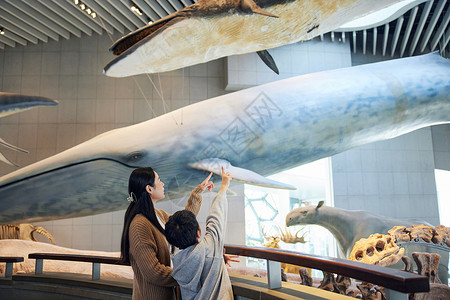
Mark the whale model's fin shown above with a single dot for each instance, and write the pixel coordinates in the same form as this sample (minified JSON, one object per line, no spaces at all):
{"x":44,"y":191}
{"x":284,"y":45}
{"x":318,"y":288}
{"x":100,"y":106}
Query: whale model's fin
{"x":7,"y":161}
{"x":268,"y":60}
{"x":239,"y":174}
{"x":8,"y":145}
{"x":250,"y":5}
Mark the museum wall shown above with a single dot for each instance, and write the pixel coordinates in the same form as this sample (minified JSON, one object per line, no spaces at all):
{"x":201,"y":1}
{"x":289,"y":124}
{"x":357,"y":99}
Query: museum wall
{"x":394,"y":178}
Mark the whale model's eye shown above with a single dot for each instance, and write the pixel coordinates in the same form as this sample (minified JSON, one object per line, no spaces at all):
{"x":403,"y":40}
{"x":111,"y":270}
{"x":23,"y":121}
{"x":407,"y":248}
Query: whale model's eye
{"x":135,"y":156}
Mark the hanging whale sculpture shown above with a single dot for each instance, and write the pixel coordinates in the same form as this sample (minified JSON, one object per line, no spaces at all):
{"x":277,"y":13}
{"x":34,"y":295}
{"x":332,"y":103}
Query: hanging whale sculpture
{"x":254,"y":132}
{"x":211,"y":29}
{"x":11,"y":103}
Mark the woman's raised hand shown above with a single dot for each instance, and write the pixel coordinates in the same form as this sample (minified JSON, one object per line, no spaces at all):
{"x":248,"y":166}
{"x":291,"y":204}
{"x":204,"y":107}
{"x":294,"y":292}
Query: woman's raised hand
{"x":207,"y":184}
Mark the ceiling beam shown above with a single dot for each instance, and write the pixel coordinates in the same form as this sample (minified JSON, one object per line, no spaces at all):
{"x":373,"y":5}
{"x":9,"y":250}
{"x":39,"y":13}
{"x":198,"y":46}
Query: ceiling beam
{"x":167,"y":7}
{"x":12,"y":36}
{"x":343,"y":37}
{"x":7,"y":41}
{"x":142,"y":17}
{"x":53,"y":16}
{"x":397,"y":30}
{"x":25,"y":18}
{"x":354,"y":41}
{"x":385,"y":38}
{"x":2,"y":46}
{"x":375,"y":36}
{"x":176,"y":4}
{"x":11,"y":27}
{"x":126,"y":12}
{"x":67,"y":16}
{"x":332,"y":36}
{"x":81,"y":15}
{"x":151,"y":14}
{"x":446,"y":38}
{"x":412,"y":18}
{"x":364,"y":40}
{"x":187,"y":2}
{"x":440,"y":30}
{"x":40,"y":18}
{"x":110,"y":9}
{"x":106,"y":16}
{"x":419,"y":28}
{"x":157,"y":8}
{"x":23,"y":26}
{"x":436,"y":13}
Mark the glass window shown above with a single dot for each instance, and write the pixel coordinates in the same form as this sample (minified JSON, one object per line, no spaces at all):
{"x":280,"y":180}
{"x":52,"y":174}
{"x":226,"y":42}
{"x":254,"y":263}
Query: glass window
{"x":266,"y":210}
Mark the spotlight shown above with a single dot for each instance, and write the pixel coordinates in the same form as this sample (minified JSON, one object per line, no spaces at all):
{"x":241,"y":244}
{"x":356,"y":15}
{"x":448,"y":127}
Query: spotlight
{"x":82,"y":6}
{"x":2,"y":32}
{"x":76,"y":2}
{"x":88,"y":10}
{"x":93,"y":15}
{"x":136,"y":10}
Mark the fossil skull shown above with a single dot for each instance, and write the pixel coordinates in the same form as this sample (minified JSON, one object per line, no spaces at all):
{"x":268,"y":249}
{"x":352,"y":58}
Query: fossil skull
{"x":378,"y":249}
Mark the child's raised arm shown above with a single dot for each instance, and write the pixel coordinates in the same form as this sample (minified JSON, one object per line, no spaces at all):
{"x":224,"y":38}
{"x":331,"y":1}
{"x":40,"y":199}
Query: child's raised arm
{"x":226,"y":179}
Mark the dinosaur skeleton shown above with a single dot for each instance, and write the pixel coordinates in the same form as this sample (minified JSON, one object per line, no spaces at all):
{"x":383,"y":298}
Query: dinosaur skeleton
{"x":439,"y":235}
{"x":23,"y":232}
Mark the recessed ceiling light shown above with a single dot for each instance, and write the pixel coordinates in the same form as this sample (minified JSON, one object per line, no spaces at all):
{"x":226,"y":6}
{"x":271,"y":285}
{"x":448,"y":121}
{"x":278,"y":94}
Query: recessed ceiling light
{"x":2,"y":32}
{"x":136,"y":10}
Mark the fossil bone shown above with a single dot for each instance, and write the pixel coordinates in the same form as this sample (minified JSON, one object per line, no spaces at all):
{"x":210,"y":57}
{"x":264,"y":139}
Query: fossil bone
{"x":400,"y":234}
{"x":427,"y":265}
{"x":306,"y":279}
{"x":421,"y":231}
{"x":23,"y":232}
{"x":329,"y":283}
{"x":378,"y":249}
{"x":408,"y":264}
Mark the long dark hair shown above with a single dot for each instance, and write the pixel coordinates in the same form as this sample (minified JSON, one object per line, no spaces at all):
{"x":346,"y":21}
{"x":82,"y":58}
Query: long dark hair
{"x":141,"y":204}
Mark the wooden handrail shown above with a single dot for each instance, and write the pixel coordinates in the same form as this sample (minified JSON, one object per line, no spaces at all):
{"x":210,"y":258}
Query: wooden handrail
{"x":394,"y":279}
{"x":9,"y":260}
{"x":78,"y":257}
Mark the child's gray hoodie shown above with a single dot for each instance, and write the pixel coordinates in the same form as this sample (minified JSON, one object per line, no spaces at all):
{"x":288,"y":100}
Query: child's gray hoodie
{"x":200,"y":269}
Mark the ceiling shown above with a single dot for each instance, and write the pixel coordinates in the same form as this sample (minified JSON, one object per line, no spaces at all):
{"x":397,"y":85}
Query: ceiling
{"x":421,"y":27}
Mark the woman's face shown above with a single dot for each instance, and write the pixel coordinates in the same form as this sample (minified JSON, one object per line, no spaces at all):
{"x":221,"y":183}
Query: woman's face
{"x":157,"y":191}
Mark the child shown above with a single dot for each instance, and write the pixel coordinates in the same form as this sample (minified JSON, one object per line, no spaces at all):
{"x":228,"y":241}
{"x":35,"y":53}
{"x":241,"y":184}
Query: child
{"x":199,"y":267}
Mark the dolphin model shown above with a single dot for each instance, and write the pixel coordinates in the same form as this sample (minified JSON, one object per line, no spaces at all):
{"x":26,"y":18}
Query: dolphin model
{"x":254,"y":132}
{"x":11,"y":103}
{"x":211,"y":29}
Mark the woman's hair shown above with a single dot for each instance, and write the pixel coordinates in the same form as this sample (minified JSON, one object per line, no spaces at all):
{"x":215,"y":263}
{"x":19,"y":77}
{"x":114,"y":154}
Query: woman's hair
{"x":141,"y":204}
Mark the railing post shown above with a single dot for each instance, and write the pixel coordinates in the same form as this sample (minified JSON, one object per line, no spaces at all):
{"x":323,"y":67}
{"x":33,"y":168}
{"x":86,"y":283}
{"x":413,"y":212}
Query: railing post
{"x":395,"y":295}
{"x":9,"y":269}
{"x":273,"y":274}
{"x":95,"y":271}
{"x":39,"y":266}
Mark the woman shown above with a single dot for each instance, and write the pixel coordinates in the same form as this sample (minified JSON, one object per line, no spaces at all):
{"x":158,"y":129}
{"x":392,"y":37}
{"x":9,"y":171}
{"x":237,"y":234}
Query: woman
{"x":143,"y":244}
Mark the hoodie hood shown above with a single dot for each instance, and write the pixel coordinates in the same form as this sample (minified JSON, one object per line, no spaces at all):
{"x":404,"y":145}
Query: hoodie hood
{"x":188,"y":266}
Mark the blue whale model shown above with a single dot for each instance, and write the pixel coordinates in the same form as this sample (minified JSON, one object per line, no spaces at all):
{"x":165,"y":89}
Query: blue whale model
{"x":254,"y":132}
{"x":210,"y":29}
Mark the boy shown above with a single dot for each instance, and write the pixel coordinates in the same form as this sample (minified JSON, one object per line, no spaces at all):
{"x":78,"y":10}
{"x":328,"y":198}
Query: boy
{"x":199,"y":267}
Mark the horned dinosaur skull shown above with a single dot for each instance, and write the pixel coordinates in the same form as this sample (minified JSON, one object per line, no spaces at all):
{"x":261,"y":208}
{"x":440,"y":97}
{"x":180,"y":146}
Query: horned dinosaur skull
{"x":378,"y":249}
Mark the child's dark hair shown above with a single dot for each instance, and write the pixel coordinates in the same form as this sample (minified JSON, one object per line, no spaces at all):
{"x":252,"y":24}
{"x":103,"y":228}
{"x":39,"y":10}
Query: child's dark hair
{"x":181,"y":229}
